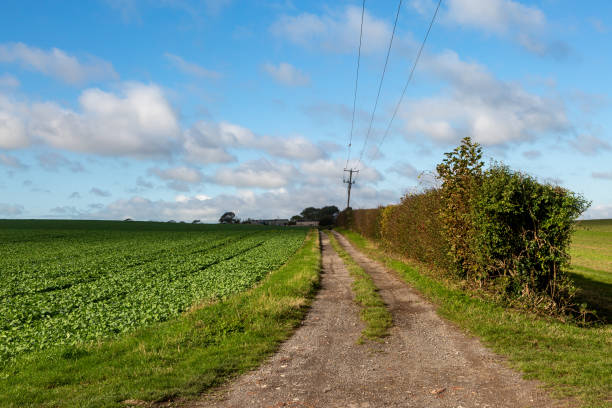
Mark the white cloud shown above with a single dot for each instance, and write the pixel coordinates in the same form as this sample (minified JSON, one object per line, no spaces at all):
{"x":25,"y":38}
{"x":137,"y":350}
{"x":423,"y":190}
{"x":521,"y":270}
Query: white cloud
{"x":13,"y":134}
{"x":590,"y":145}
{"x":202,"y":147}
{"x":598,"y":212}
{"x":495,"y":16}
{"x":277,"y":202}
{"x":191,"y":68}
{"x":140,"y":208}
{"x":207,"y":142}
{"x":11,"y":210}
{"x":10,"y":161}
{"x":589,"y":102}
{"x":216,"y":6}
{"x":556,"y":49}
{"x":405,"y":170}
{"x":9,"y":81}
{"x":330,"y":171}
{"x":287,"y":74}
{"x":296,"y":147}
{"x":256,"y":173}
{"x":532,"y":154}
{"x":57,"y":63}
{"x":52,"y":161}
{"x":179,"y":178}
{"x":142,"y":183}
{"x":602,"y":175}
{"x":477,"y":104}
{"x":130,"y":9}
{"x":334,"y":32}
{"x":181,"y":198}
{"x":525,"y":24}
{"x":138,"y":121}
{"x":100,"y":192}
{"x":181,"y":173}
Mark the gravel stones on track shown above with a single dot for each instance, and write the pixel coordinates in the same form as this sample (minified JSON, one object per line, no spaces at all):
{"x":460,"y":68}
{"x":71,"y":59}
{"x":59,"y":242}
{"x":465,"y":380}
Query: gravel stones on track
{"x":425,"y":362}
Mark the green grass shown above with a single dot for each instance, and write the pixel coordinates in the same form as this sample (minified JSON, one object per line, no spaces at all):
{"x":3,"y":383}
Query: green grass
{"x":374,"y":312}
{"x":591,"y":253}
{"x":181,"y":357}
{"x":571,"y":361}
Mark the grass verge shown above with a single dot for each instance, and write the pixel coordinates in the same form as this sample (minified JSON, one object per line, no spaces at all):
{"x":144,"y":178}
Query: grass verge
{"x":179,"y":358}
{"x":591,"y":253}
{"x":374,"y":312}
{"x":572,"y":361}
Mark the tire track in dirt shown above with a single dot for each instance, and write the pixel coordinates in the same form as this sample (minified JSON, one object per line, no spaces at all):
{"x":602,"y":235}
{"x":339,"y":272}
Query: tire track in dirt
{"x":425,"y":362}
{"x":442,"y":356}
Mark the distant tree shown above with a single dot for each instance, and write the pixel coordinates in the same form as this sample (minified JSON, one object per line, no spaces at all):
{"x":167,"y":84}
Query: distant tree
{"x":128,"y":219}
{"x":310,"y":213}
{"x":317,"y":214}
{"x":228,"y":218}
{"x":329,"y":211}
{"x":196,"y":222}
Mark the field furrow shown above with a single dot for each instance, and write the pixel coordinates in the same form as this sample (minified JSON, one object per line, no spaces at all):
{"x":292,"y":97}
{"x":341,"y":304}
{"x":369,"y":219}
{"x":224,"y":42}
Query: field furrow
{"x":56,"y":295}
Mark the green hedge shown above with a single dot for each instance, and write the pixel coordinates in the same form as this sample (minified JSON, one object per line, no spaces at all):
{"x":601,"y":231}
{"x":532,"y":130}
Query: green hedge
{"x":523,"y":235}
{"x":499,"y":229}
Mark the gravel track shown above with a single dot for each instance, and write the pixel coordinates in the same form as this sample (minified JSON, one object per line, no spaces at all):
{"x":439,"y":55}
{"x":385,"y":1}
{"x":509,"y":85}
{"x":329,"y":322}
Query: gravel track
{"x":425,"y":362}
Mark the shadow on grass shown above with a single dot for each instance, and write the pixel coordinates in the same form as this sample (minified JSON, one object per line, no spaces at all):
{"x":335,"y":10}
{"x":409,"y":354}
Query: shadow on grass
{"x":596,"y":294}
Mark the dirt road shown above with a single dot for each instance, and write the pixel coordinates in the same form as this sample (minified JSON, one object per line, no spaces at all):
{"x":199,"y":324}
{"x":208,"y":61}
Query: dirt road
{"x":425,"y":362}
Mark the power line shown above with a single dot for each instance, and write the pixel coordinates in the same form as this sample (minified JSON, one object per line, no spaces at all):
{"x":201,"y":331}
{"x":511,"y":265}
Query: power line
{"x":399,"y":6}
{"x":416,"y":61}
{"x":348,"y":157}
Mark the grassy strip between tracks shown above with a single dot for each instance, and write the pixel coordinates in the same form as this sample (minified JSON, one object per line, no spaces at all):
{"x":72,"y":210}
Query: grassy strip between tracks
{"x":180,"y":358}
{"x":373,"y":310}
{"x":572,"y":361}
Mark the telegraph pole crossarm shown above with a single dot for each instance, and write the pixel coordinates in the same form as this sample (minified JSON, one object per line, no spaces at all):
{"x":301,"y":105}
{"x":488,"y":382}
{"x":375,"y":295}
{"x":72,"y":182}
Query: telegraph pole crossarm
{"x":350,"y":182}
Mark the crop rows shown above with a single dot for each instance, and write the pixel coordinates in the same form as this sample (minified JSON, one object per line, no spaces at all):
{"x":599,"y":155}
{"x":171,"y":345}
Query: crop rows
{"x":58,"y":290}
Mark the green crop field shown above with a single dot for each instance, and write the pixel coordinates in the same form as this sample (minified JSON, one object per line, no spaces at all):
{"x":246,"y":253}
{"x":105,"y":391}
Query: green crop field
{"x":69,"y":282}
{"x":591,"y":253}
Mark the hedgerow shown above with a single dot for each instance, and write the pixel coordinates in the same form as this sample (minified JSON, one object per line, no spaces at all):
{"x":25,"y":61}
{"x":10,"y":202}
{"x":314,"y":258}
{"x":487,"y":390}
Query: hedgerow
{"x":523,"y":232}
{"x":495,"y":229}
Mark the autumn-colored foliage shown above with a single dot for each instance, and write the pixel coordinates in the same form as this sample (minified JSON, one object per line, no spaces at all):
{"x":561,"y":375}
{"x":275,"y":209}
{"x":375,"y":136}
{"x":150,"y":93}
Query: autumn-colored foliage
{"x":497,"y":229}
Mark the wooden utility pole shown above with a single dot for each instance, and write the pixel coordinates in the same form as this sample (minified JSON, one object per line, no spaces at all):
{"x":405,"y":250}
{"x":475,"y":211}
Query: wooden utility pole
{"x":350,"y":182}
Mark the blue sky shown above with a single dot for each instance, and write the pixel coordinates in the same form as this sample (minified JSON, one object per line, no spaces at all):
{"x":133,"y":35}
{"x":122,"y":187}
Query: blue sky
{"x":175,"y":109}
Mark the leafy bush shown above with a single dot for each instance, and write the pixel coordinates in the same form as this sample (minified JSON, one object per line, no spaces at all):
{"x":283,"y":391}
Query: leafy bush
{"x":499,"y":229}
{"x":523,"y":234}
{"x":461,"y":175}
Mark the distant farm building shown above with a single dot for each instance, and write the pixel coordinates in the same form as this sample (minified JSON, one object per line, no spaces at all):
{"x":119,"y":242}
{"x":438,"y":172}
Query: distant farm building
{"x":279,"y":222}
{"x":307,"y":223}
